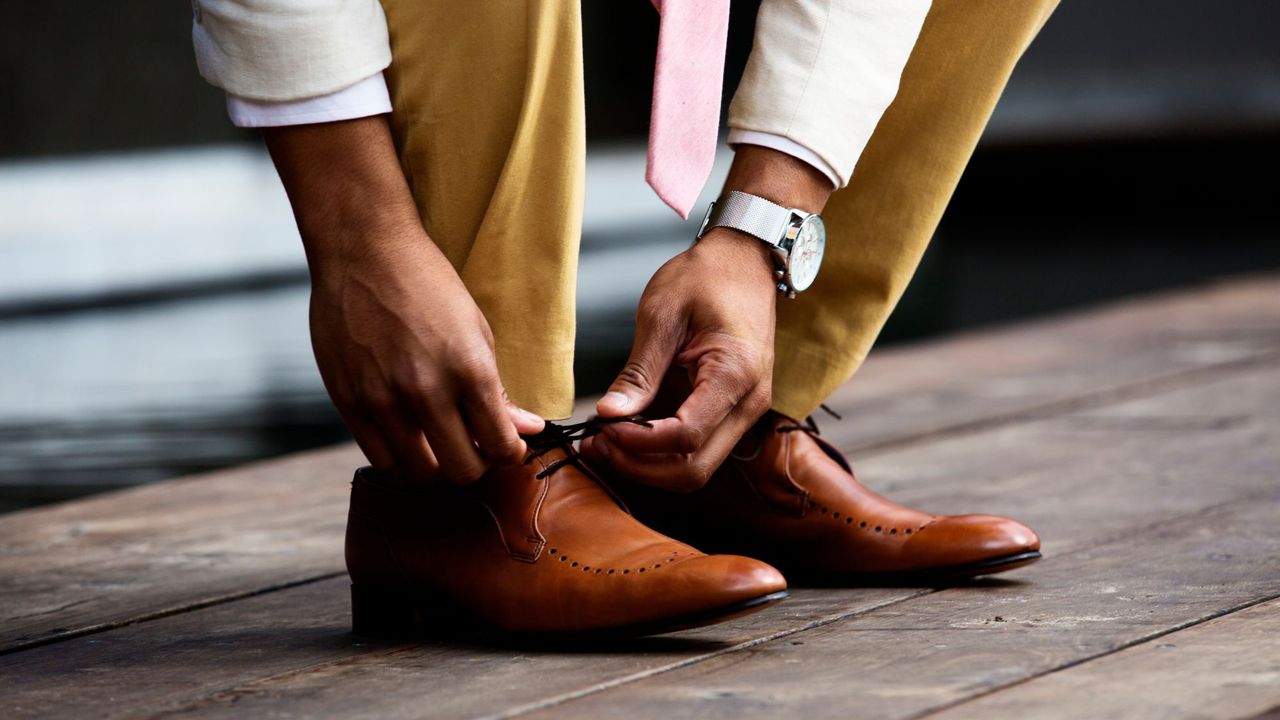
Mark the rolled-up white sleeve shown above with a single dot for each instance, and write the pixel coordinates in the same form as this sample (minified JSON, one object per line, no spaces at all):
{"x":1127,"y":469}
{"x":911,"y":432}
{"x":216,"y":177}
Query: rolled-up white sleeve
{"x":785,"y":145}
{"x":365,"y":98}
{"x":822,"y":72}
{"x":279,"y":50}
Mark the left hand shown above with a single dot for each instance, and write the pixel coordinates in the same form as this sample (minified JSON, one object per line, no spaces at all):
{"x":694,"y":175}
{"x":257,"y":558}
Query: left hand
{"x":709,"y":309}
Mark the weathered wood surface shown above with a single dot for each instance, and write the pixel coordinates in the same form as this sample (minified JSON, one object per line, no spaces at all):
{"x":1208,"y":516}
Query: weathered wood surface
{"x":1153,"y":486}
{"x":1233,"y":664}
{"x":211,"y":532}
{"x":120,"y":557}
{"x":1108,"y":583}
{"x":908,"y":659}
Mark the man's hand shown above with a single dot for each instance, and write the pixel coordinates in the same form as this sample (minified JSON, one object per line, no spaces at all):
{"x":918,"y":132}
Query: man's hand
{"x":711,"y":310}
{"x":404,"y":352}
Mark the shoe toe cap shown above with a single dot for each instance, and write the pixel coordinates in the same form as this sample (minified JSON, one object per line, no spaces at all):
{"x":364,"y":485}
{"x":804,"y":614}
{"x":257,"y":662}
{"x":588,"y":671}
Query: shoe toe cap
{"x":726,"y":580}
{"x":964,"y":539}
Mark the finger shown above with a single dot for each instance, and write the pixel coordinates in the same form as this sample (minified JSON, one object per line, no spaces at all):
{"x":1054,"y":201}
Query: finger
{"x":446,"y":430}
{"x":719,"y":387}
{"x":680,"y":472}
{"x":655,"y":345}
{"x":490,"y":425}
{"x":526,"y":423}
{"x":669,"y":471}
{"x":414,"y":459}
{"x":375,"y":447}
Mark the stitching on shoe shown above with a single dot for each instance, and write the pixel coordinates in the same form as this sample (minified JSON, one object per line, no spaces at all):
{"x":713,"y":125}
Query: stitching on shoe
{"x":555,"y":554}
{"x":848,"y":519}
{"x":538,"y":541}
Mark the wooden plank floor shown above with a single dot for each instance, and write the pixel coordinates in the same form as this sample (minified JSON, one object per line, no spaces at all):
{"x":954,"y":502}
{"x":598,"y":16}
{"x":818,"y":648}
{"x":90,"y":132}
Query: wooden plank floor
{"x":1141,"y":439}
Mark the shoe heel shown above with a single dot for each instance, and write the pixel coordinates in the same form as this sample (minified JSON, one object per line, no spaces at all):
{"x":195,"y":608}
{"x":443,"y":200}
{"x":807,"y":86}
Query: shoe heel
{"x":385,"y":612}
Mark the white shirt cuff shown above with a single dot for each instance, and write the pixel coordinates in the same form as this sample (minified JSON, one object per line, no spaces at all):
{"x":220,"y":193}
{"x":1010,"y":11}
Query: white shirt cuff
{"x":785,"y":145}
{"x":365,"y":98}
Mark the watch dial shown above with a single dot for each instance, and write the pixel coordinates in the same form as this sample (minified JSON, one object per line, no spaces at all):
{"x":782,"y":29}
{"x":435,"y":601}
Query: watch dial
{"x":806,"y":253}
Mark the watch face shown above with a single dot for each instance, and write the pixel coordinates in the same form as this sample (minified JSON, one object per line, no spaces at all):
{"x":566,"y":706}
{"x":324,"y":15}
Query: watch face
{"x":806,"y":253}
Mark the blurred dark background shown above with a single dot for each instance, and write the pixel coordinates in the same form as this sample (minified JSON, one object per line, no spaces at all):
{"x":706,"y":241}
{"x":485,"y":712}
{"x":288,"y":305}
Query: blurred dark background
{"x":152,"y":294}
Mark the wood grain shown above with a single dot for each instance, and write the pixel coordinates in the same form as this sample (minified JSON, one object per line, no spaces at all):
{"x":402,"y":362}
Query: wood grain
{"x":1103,"y":430}
{"x":73,"y":568}
{"x":907,"y":659}
{"x":205,"y":539}
{"x":1140,"y":513}
{"x":216,"y":655}
{"x":1226,"y":668}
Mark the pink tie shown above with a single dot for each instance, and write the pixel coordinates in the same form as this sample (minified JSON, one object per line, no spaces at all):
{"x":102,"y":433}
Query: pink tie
{"x":685,"y":120}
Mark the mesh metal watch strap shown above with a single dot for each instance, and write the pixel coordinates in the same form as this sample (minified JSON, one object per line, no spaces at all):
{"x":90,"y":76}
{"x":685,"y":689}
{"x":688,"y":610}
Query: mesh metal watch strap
{"x":750,"y":214}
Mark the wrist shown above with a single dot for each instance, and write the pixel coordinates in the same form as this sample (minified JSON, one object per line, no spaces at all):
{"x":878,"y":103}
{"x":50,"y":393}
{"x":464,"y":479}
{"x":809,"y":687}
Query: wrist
{"x":779,"y":178}
{"x":379,"y":257}
{"x":733,"y":251}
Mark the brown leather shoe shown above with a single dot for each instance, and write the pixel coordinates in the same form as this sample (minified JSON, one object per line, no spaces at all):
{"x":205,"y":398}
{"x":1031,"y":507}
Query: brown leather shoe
{"x":787,"y":496}
{"x":534,"y":548}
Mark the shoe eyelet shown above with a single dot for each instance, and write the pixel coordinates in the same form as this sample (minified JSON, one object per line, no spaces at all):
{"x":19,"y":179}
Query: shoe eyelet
{"x":893,"y":531}
{"x":848,"y":521}
{"x":835,"y":516}
{"x":862,"y":524}
{"x":877,"y":528}
{"x":575,"y":564}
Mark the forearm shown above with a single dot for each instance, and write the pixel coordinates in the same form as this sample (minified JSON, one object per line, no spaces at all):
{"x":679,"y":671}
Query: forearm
{"x":779,"y":178}
{"x":349,"y":195}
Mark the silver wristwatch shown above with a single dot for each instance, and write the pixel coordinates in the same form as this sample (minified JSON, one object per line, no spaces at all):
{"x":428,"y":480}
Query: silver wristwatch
{"x":798,"y":238}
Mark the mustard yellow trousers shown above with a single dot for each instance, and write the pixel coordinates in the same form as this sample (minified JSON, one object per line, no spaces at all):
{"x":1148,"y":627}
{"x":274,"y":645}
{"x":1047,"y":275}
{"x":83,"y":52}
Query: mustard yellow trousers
{"x":489,"y":122}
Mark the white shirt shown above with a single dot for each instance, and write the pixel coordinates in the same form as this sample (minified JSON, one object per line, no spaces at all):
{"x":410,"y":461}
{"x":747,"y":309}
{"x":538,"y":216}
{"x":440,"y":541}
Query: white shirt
{"x":370,"y":97}
{"x":820,"y":75}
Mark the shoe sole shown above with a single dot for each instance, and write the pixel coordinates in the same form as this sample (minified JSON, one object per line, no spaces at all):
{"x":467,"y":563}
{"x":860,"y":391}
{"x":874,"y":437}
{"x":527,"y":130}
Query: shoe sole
{"x":698,"y":619}
{"x":396,"y":613}
{"x":916,"y":577}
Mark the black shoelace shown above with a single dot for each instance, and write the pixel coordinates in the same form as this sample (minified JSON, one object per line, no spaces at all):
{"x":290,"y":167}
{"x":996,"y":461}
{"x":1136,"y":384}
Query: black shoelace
{"x":810,"y":425}
{"x":555,"y":436}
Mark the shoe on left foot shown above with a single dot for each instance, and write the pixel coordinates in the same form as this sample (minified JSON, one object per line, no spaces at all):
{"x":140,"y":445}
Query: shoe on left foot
{"x":786,"y":496}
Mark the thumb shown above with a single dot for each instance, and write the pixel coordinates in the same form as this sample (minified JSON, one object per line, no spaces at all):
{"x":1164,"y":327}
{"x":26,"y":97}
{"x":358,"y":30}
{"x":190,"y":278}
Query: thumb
{"x":526,"y":422}
{"x":637,"y":384}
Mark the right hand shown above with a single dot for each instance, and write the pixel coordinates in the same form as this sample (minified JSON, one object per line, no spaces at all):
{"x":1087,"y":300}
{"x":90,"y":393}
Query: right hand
{"x":408,"y":359}
{"x":404,"y":351}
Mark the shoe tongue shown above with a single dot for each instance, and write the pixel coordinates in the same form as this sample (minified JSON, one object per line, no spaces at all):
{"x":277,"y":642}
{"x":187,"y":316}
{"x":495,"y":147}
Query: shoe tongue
{"x":516,"y":497}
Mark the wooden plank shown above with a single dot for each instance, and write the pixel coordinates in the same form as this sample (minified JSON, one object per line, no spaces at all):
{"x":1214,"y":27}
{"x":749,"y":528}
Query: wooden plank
{"x":188,"y":543}
{"x":211,"y":656}
{"x":1161,"y":503}
{"x":908,"y":659}
{"x":1222,"y":434}
{"x":1126,"y":349}
{"x":1226,"y":668}
{"x":115,"y":558}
